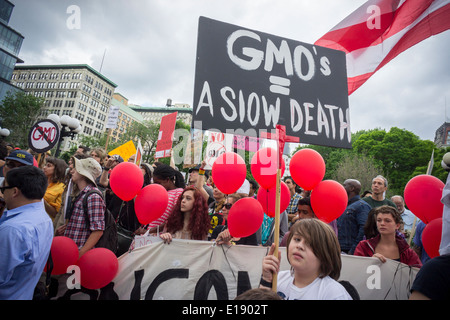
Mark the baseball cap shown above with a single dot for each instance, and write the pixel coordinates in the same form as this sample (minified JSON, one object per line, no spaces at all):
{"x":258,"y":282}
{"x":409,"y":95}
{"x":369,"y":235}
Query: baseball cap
{"x":21,"y":156}
{"x":88,"y":168}
{"x":197,"y":168}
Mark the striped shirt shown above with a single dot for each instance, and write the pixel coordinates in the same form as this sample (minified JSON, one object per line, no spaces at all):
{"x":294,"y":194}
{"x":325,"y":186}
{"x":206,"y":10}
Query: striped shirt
{"x":76,"y":227}
{"x":173,"y":198}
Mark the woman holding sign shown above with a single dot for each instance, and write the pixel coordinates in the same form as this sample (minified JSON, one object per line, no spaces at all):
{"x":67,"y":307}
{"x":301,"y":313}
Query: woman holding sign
{"x":189,"y":219}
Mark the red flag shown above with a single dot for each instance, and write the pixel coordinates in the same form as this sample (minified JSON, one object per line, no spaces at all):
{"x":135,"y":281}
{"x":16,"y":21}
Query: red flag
{"x":380,"y":30}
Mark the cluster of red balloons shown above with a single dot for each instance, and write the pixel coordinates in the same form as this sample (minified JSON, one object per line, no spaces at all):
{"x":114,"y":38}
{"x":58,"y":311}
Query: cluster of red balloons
{"x":423,"y":197}
{"x":246,"y":215}
{"x":328,"y":197}
{"x":126,"y":181}
{"x":98,"y":266}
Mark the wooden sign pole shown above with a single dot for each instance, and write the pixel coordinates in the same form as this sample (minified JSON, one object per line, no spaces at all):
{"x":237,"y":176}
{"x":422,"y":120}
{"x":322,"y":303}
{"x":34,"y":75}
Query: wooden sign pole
{"x":276,"y":238}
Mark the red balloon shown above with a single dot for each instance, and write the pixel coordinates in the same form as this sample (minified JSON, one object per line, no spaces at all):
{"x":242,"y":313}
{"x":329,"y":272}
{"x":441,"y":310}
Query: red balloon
{"x":245,"y":217}
{"x":150,"y":203}
{"x":64,"y":253}
{"x":329,"y":200}
{"x":423,"y":195}
{"x":228,"y":172}
{"x":264,"y":167}
{"x":126,"y":180}
{"x":98,"y":267}
{"x":267,"y":198}
{"x":307,"y":168}
{"x":431,"y":237}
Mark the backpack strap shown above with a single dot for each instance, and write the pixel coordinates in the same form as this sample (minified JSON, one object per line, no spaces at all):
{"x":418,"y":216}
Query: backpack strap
{"x":85,"y":205}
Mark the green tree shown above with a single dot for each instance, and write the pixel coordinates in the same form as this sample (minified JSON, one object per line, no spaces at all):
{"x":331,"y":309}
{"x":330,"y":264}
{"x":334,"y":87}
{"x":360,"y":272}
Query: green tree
{"x":19,"y":111}
{"x":147,"y":132}
{"x":399,"y":151}
{"x":437,"y":169}
{"x":357,"y":166}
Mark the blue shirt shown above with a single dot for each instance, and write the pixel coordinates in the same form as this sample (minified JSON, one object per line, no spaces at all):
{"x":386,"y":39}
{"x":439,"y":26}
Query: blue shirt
{"x":26,"y":235}
{"x":418,"y":241}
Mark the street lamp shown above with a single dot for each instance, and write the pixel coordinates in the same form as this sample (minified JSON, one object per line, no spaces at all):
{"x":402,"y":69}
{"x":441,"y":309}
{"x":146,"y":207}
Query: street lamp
{"x":4,"y":133}
{"x":69,"y":128}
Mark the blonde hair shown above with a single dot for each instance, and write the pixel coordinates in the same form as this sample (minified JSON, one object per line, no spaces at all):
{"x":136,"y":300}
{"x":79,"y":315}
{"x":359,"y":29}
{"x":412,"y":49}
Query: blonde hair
{"x":324,"y":243}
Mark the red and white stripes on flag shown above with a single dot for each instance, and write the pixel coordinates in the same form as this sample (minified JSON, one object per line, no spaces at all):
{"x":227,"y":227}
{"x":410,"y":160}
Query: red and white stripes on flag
{"x":380,"y":30}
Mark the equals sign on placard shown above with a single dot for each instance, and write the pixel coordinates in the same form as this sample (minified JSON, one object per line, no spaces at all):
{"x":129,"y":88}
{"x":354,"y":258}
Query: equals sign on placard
{"x":279,"y":85}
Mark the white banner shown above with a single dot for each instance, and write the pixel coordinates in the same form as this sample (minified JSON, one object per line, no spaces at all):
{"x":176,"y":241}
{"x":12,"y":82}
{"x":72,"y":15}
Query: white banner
{"x":187,"y":270}
{"x":197,"y":270}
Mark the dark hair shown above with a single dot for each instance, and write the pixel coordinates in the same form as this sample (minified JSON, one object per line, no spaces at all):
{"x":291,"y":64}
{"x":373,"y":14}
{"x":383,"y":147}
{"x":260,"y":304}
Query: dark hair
{"x":164,"y":171}
{"x":59,"y":174}
{"x":389,"y":210}
{"x":306,"y":201}
{"x":148,"y":174}
{"x":370,"y":227}
{"x":3,"y":150}
{"x":86,"y":149}
{"x":199,"y":223}
{"x":254,"y":184}
{"x":31,"y":181}
{"x":366,"y":193}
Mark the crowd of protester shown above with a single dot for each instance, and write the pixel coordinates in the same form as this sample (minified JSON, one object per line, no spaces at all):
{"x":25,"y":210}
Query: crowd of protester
{"x":43,"y":196}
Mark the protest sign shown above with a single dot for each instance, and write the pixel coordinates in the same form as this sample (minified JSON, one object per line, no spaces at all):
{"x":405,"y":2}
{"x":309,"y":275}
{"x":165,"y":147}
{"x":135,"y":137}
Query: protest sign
{"x":248,"y":81}
{"x":113,"y":117}
{"x":194,"y":148}
{"x":199,"y":270}
{"x":165,"y":136}
{"x":43,"y":136}
{"x":139,"y":153}
{"x":246,"y":143}
{"x":218,"y":143}
{"x":125,"y":151}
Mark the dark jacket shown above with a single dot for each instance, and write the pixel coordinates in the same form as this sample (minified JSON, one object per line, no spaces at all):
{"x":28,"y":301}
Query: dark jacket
{"x":366,"y":248}
{"x":351,"y":224}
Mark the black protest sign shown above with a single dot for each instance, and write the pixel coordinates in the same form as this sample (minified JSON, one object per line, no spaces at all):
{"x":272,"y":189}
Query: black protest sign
{"x":247,"y":82}
{"x":43,"y":136}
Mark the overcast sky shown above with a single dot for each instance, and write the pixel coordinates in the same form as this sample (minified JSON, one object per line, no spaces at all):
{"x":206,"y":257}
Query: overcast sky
{"x":151,"y":48}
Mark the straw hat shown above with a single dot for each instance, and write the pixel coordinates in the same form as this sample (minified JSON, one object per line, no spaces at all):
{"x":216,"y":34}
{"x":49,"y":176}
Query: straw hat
{"x":88,"y":168}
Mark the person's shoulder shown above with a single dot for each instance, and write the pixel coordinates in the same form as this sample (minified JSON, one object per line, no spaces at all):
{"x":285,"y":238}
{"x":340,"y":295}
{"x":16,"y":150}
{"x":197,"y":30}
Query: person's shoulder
{"x":334,"y":290}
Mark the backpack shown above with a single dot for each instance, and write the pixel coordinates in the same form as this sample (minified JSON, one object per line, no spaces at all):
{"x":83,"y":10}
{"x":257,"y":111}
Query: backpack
{"x":109,"y":238}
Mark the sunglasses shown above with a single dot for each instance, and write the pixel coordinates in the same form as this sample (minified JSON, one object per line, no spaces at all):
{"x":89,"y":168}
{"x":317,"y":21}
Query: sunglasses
{"x":3,"y":188}
{"x":228,"y":206}
{"x":14,"y":164}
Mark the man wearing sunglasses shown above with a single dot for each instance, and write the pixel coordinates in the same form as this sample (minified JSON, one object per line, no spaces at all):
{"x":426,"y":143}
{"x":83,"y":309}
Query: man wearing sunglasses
{"x":26,"y":233}
{"x":17,"y":158}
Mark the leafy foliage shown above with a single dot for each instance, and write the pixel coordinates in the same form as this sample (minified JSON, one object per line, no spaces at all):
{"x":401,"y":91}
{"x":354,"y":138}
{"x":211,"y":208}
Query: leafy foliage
{"x":397,"y":154}
{"x":19,"y":111}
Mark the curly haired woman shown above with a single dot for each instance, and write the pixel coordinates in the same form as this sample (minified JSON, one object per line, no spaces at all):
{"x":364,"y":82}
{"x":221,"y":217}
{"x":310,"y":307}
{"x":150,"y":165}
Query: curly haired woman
{"x":190,"y":219}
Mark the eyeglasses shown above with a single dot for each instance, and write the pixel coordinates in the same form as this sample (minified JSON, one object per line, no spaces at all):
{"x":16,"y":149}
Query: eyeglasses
{"x":3,"y":188}
{"x":13,"y":164}
{"x":228,"y":206}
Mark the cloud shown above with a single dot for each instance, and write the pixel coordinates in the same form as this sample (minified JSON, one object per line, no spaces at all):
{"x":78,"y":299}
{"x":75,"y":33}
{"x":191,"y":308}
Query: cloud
{"x":151,"y":49}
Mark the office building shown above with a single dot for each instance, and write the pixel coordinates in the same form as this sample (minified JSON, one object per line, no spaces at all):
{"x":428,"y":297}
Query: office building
{"x":76,"y":90}
{"x":154,"y":114}
{"x":10,"y":44}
